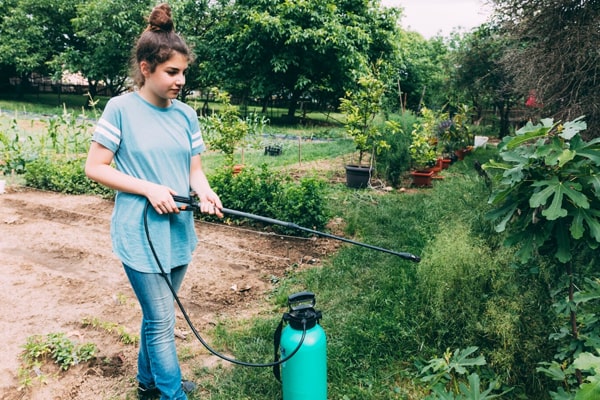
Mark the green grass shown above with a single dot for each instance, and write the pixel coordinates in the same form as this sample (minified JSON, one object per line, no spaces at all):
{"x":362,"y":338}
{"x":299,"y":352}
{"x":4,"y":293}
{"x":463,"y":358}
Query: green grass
{"x":385,"y":316}
{"x":46,"y":103}
{"x":293,"y":153}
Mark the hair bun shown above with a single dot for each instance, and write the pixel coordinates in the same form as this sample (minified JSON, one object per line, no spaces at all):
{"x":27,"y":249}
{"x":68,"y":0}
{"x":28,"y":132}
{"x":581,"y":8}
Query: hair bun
{"x":160,"y":18}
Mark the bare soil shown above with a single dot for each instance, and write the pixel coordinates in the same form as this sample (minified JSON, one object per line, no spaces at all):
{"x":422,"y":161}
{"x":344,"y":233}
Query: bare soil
{"x":58,"y":269}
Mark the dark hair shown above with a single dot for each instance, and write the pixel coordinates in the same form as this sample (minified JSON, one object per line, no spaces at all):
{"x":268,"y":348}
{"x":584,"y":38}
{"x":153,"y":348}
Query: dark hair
{"x":157,"y":43}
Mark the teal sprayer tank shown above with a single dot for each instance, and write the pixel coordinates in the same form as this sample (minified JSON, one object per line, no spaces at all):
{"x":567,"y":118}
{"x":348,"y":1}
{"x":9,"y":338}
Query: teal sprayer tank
{"x":304,"y":375}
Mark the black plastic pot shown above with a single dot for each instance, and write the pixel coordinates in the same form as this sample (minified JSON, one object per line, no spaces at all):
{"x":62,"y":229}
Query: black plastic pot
{"x":358,"y":176}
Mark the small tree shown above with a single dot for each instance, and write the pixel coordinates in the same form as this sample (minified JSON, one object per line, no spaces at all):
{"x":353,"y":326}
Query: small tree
{"x":361,"y":108}
{"x":226,"y":130}
{"x":423,"y":148}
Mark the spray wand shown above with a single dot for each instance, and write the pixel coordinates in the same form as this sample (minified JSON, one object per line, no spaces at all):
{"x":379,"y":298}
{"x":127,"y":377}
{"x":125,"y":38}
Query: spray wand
{"x":306,"y":375}
{"x":191,"y":204}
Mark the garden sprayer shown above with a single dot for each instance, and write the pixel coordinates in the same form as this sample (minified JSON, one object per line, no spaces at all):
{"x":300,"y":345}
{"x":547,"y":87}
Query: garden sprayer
{"x":302,"y":343}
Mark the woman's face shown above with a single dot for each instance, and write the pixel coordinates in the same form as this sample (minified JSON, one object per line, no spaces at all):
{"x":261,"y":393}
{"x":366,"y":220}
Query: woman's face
{"x":166,"y":81}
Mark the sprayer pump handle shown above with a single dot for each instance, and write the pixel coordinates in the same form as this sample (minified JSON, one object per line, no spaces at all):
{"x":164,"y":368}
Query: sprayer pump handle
{"x":298,"y":301}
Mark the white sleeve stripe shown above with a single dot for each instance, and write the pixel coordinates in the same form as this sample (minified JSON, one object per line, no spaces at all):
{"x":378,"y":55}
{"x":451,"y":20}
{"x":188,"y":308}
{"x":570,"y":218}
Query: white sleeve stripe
{"x":100,"y":130}
{"x":197,"y":139}
{"x":110,"y":127}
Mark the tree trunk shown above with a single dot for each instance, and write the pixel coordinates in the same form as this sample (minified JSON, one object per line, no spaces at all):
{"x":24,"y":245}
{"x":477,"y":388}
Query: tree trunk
{"x":265,"y":104}
{"x":573,"y":316}
{"x":293,"y":106}
{"x":504,"y":108}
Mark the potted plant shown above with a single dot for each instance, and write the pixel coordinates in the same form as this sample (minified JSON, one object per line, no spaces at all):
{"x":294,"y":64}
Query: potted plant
{"x":455,"y":133}
{"x":361,"y":108}
{"x":423,"y":155}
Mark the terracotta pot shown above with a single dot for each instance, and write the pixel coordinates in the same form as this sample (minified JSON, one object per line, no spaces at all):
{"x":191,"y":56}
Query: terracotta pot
{"x":237,"y":169}
{"x":422,"y":178}
{"x":460,"y":154}
{"x":439,"y":165}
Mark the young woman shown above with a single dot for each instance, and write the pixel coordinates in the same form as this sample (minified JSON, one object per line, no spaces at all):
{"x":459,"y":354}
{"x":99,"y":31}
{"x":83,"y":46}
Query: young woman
{"x":155,"y":143}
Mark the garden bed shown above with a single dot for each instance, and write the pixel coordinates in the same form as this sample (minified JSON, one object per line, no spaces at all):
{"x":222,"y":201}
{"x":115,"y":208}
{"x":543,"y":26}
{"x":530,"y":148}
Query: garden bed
{"x":59,"y":270}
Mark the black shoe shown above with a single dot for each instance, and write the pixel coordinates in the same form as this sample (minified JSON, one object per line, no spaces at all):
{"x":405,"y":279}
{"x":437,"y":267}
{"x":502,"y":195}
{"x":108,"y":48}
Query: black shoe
{"x":148,"y":393}
{"x":152,"y":392}
{"x":188,"y":386}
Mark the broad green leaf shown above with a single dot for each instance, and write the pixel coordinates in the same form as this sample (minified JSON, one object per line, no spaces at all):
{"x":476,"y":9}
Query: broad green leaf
{"x":472,"y":391}
{"x":515,"y":157}
{"x":554,"y":371}
{"x":591,"y":219}
{"x":513,"y":175}
{"x":582,"y":297}
{"x":594,"y":181}
{"x":557,"y":189}
{"x":592,"y":155}
{"x":499,"y":196}
{"x":545,"y":123}
{"x":505,"y":213}
{"x":572,"y":128}
{"x":589,"y":391}
{"x":526,"y":137}
{"x":565,"y":157}
{"x":491,"y":165}
{"x":540,"y":198}
{"x":587,"y":361}
{"x":589,"y":150}
{"x":551,"y":151}
{"x":577,"y":229}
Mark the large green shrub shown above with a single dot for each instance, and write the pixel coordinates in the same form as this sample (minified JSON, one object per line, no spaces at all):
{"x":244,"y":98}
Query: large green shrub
{"x":547,"y":198}
{"x":58,"y":174}
{"x":271,"y":194}
{"x":393,"y":163}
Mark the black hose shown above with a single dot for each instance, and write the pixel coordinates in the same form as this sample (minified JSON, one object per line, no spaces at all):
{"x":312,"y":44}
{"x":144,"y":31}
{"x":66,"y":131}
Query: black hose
{"x":189,"y":321}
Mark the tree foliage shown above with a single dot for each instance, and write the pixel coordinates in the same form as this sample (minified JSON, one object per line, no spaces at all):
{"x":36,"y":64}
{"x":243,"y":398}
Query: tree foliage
{"x":420,"y":70}
{"x":311,"y":50}
{"x":477,"y":76}
{"x":557,"y":54}
{"x":105,"y":31}
{"x":296,"y":49}
{"x":34,"y":33}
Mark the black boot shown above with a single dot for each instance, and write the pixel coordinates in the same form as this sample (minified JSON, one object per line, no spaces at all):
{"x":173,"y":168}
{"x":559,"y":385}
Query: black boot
{"x":148,"y":393}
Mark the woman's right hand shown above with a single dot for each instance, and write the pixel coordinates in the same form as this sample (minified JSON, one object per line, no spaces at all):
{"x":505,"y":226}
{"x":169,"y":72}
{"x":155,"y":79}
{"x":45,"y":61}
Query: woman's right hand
{"x":161,"y":198}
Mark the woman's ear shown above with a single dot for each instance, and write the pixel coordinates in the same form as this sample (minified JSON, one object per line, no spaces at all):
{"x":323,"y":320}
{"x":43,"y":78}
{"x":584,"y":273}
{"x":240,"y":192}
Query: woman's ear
{"x":145,"y":68}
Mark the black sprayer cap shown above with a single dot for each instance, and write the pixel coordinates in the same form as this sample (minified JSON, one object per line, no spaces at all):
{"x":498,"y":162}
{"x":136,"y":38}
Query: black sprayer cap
{"x":302,"y":314}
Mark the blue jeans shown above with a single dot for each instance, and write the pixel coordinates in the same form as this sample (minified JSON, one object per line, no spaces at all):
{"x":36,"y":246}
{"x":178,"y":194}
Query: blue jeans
{"x":158,"y":364}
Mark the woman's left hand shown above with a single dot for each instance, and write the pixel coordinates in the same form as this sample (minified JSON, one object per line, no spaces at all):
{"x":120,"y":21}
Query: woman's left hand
{"x":210,"y":203}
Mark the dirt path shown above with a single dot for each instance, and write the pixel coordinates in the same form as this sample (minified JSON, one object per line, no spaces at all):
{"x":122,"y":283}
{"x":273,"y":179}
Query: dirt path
{"x":58,"y":269}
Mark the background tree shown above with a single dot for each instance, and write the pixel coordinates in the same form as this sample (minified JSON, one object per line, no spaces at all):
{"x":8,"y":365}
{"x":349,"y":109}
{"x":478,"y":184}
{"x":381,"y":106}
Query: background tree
{"x":420,"y":70}
{"x":557,"y":54}
{"x":477,"y":76}
{"x":194,"y":19}
{"x":295,"y":49}
{"x":105,"y":32}
{"x":34,"y":33}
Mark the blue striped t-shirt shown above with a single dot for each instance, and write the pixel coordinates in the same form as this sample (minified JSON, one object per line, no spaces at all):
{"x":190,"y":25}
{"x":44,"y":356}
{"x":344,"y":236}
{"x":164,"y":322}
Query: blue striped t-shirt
{"x":155,"y":144}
